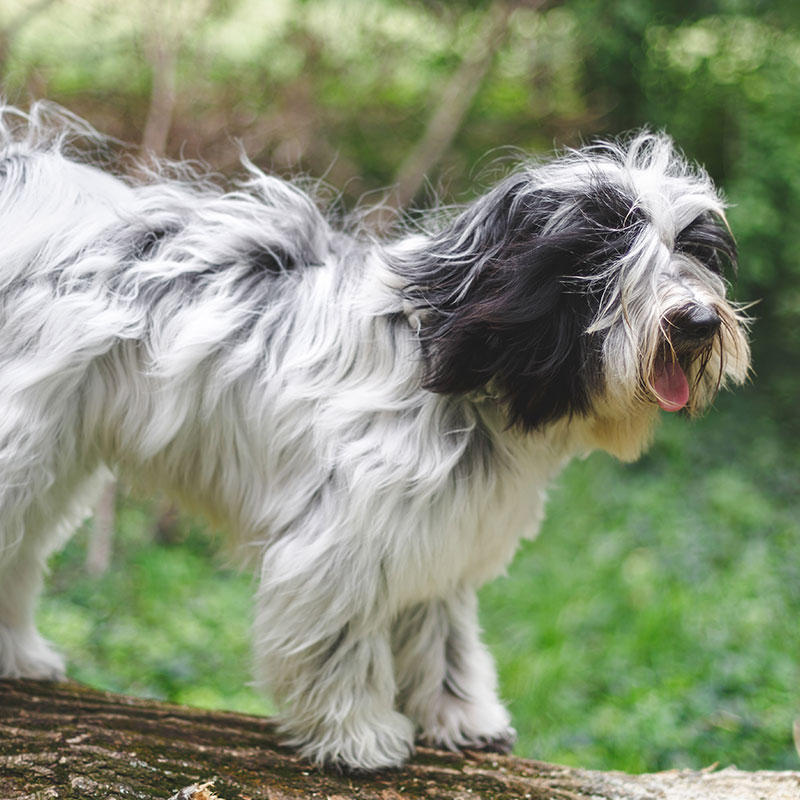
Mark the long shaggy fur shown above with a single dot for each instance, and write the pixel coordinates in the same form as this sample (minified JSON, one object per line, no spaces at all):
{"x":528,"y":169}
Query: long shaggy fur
{"x":375,"y":422}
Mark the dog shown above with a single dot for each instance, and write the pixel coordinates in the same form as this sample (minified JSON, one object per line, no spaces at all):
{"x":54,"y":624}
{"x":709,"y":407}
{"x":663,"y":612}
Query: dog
{"x":375,"y":421}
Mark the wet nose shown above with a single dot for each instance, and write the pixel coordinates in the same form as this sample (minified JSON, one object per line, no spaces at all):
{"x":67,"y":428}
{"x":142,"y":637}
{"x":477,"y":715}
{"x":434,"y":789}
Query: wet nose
{"x":695,"y":323}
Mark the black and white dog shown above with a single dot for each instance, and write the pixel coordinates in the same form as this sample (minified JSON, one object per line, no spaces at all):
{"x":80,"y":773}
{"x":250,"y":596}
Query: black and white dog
{"x":375,"y":422}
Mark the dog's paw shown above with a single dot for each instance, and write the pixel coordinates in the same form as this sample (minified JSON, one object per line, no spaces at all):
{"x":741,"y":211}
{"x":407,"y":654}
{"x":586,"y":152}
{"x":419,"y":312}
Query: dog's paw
{"x":28,"y":655}
{"x":359,"y":746}
{"x":502,"y":742}
{"x":462,"y":725}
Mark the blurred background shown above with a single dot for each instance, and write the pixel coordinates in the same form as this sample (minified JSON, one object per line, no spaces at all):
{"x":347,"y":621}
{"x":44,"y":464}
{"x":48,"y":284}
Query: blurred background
{"x":654,"y":623}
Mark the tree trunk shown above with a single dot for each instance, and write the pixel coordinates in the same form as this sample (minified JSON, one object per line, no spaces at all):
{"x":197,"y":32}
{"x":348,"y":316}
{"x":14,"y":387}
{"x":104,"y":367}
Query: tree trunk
{"x":69,"y":741}
{"x":163,"y":58}
{"x":101,"y":536}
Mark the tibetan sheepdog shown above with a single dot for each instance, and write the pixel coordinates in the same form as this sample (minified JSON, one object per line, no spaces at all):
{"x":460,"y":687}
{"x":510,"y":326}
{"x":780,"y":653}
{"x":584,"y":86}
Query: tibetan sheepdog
{"x":375,"y":421}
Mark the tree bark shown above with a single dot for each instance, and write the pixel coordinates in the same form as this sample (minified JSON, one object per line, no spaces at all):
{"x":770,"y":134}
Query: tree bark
{"x":69,"y":741}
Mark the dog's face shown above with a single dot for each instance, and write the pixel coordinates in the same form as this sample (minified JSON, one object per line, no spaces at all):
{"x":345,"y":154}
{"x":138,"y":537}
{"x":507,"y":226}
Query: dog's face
{"x":589,"y":287}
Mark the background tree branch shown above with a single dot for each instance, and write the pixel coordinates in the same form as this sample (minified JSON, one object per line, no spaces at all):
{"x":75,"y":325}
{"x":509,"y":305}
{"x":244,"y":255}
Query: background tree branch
{"x":454,"y":103}
{"x":451,"y":108}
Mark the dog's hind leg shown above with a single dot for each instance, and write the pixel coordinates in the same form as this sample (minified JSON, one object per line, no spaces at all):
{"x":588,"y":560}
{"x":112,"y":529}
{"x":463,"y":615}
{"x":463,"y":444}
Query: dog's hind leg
{"x":446,"y":676}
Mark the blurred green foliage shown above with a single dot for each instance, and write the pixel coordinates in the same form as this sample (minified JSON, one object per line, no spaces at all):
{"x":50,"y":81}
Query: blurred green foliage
{"x":344,"y":88}
{"x":653,"y":624}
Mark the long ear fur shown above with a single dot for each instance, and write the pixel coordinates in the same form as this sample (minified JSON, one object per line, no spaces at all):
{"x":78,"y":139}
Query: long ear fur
{"x":508,"y":290}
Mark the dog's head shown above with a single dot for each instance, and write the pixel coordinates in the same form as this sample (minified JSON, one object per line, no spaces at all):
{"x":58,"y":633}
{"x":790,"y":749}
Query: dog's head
{"x":591,"y":286}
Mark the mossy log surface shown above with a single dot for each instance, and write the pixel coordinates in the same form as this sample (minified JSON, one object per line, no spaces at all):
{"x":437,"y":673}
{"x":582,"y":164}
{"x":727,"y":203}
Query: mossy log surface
{"x":69,"y":741}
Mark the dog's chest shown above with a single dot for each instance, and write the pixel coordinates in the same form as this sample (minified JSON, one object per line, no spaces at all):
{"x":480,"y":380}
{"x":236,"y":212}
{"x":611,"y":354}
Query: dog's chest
{"x":513,"y":509}
{"x":469,"y":534}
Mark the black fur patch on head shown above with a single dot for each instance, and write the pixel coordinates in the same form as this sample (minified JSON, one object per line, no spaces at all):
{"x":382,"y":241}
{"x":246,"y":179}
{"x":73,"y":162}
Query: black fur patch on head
{"x":708,"y":240}
{"x":511,"y":288}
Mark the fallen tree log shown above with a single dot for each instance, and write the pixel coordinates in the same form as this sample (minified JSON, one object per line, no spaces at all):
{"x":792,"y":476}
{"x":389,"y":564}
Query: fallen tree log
{"x":70,"y":741}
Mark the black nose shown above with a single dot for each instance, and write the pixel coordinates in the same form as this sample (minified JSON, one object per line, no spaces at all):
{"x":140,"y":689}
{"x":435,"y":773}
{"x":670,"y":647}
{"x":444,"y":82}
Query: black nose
{"x":694,"y":323}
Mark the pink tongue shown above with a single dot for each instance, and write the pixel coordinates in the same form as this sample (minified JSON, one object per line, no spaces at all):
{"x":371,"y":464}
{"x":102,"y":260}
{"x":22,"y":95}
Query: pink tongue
{"x":671,"y":386}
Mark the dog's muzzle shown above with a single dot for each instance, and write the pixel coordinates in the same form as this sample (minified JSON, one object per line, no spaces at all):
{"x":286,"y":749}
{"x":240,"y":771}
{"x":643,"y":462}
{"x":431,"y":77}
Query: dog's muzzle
{"x":690,"y":330}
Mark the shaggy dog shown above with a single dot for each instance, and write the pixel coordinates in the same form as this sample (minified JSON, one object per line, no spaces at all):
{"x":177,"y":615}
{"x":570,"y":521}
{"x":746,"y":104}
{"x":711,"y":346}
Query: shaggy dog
{"x":375,"y":422}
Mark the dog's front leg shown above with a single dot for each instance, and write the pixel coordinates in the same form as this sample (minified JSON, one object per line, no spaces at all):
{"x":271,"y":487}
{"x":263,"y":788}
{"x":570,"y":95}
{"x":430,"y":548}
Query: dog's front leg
{"x":446,"y":676}
{"x":23,"y":651}
{"x":323,"y":649}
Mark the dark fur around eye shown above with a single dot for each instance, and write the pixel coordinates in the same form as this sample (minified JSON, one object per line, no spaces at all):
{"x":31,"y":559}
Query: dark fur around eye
{"x":708,"y":240}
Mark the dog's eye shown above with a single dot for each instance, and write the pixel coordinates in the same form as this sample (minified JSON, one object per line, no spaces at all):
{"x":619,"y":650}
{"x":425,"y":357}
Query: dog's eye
{"x":707,"y":240}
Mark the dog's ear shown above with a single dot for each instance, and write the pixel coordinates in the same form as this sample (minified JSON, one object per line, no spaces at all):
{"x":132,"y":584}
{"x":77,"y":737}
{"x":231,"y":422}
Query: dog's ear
{"x":509,"y":290}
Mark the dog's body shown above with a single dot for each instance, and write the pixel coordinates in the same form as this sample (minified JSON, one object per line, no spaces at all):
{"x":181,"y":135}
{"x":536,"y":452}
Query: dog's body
{"x":376,"y":423}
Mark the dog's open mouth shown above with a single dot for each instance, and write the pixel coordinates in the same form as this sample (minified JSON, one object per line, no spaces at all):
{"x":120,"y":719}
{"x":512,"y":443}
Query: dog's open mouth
{"x":670,"y":384}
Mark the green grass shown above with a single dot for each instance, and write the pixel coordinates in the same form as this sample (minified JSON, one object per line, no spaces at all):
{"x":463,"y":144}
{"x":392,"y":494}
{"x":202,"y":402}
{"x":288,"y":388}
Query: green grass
{"x":166,"y":621}
{"x":653,"y":624}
